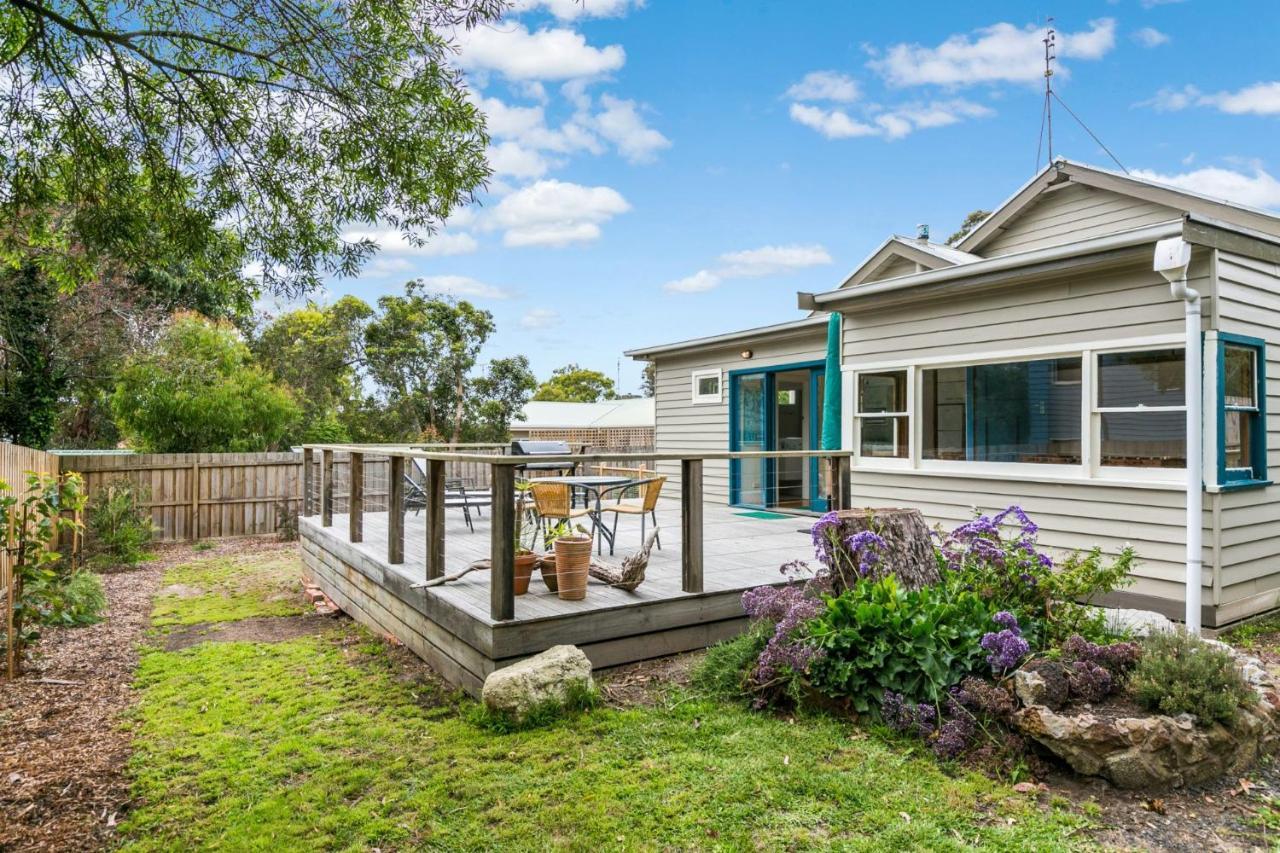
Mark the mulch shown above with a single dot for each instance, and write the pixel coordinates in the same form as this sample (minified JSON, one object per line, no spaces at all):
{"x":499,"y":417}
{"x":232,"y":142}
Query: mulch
{"x":64,"y":746}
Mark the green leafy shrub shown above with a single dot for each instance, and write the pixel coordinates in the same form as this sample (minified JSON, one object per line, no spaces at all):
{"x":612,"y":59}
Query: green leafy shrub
{"x":723,"y":671}
{"x":67,"y":601}
{"x":1179,"y":673}
{"x":119,"y":522}
{"x":877,"y":637}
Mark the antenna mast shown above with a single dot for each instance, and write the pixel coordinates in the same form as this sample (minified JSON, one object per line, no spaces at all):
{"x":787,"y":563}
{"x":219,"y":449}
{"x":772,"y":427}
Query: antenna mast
{"x":1050,"y":54}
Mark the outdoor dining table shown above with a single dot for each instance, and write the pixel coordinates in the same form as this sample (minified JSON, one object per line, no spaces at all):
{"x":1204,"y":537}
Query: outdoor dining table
{"x":597,"y":485}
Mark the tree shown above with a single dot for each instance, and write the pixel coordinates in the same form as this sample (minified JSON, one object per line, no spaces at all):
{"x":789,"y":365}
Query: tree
{"x":498,"y":396}
{"x":970,"y":222}
{"x":647,"y":381}
{"x":134,"y":121}
{"x":197,"y":390}
{"x":317,"y":351}
{"x":574,"y":384}
{"x":421,"y":350}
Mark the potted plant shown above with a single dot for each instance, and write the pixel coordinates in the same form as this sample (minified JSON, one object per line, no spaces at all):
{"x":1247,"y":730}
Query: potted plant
{"x":573,"y":562}
{"x":525,"y":558}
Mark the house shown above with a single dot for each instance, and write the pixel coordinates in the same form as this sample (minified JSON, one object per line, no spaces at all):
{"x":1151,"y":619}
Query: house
{"x":625,"y":423}
{"x":1038,"y":362}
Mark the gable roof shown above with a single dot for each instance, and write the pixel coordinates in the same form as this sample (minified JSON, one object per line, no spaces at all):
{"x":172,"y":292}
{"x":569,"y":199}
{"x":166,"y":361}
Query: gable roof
{"x":544,"y":414}
{"x":930,"y":256}
{"x":1062,"y":171}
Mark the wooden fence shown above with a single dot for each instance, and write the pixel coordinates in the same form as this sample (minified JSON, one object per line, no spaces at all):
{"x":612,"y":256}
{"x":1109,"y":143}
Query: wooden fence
{"x":15,"y":463}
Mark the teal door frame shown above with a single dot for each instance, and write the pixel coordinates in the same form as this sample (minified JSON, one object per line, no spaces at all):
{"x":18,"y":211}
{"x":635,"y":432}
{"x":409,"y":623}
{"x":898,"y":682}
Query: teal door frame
{"x":768,"y":404}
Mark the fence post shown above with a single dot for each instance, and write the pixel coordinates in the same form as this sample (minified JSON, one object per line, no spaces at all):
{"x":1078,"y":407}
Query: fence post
{"x":502,"y":546}
{"x":435,"y":518}
{"x":306,"y":480}
{"x":691,"y":525}
{"x":326,"y":488}
{"x":395,"y":510}
{"x":355,"y":499}
{"x":195,"y":501}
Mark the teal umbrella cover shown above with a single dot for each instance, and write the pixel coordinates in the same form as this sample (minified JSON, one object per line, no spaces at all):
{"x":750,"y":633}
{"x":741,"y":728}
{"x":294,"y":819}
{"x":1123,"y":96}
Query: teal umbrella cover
{"x":831,"y":393}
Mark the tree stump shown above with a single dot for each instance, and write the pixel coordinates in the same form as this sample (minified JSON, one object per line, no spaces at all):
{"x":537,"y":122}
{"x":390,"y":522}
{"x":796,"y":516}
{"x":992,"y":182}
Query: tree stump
{"x":907,"y":552}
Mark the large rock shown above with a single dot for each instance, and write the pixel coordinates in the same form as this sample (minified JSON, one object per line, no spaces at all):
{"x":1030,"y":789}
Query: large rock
{"x":1156,"y":750}
{"x":1137,"y":623}
{"x":550,"y":677}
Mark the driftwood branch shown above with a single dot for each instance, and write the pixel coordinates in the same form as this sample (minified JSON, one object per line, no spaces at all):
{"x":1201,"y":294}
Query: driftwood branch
{"x":477,"y":566}
{"x":630,"y":574}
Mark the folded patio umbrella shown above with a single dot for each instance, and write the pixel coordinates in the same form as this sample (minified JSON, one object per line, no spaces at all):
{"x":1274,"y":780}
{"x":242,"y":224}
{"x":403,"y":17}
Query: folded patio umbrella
{"x":831,"y":393}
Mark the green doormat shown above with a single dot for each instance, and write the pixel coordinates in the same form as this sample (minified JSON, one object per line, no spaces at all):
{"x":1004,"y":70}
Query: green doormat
{"x":760,"y":513}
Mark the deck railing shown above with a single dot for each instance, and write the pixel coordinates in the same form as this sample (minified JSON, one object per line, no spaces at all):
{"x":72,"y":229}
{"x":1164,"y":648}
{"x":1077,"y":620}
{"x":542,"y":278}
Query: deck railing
{"x":502,"y":474}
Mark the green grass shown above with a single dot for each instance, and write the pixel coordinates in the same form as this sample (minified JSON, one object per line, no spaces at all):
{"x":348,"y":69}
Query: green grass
{"x":1254,"y":633}
{"x":321,"y":743}
{"x":219,"y":589}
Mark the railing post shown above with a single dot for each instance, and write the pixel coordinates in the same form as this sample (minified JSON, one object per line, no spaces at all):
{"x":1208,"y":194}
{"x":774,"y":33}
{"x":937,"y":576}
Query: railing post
{"x":502,"y":546}
{"x":435,"y":518}
{"x":691,"y":525}
{"x":355,"y":499}
{"x":307,"y":457}
{"x":844,"y":492}
{"x":326,"y":488}
{"x":395,"y":510}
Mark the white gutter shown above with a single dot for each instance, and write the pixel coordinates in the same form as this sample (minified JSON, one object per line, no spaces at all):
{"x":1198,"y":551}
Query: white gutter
{"x":1172,"y":259}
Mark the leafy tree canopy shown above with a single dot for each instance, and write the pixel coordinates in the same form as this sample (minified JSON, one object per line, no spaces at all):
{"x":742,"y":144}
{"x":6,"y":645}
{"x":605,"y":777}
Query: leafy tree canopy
{"x":574,"y":384}
{"x":197,"y":390}
{"x":972,"y":221}
{"x":132,"y":125}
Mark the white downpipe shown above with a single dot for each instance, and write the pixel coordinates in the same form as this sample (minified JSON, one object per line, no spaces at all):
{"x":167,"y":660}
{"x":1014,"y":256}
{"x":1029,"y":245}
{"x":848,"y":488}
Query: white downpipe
{"x":1172,"y":260}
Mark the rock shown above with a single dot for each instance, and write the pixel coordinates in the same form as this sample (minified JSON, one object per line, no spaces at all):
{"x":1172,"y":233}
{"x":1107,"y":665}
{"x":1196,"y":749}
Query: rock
{"x":1042,"y":683}
{"x":551,"y":676}
{"x":1137,"y":623}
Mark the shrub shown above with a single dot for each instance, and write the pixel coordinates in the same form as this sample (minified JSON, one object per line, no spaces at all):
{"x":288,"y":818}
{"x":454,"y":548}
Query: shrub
{"x":68,"y":601}
{"x":877,"y":637}
{"x":724,"y":669}
{"x":1179,"y":673}
{"x":119,"y":521}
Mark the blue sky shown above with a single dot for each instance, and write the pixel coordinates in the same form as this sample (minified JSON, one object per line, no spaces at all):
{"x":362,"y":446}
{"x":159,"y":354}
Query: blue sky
{"x":668,"y":169}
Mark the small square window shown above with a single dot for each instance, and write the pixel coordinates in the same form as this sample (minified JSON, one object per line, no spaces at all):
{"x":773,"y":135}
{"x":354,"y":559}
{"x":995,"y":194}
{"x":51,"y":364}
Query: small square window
{"x":706,"y":386}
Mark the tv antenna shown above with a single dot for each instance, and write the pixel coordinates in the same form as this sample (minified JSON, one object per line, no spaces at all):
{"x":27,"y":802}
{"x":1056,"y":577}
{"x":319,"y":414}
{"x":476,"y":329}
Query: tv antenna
{"x":1050,"y":41}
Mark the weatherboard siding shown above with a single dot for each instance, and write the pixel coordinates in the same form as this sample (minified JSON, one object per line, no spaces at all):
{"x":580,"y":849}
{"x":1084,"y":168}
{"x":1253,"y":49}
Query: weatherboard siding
{"x":682,"y":426}
{"x":893,"y":268}
{"x":1074,"y":212}
{"x":1250,"y":526}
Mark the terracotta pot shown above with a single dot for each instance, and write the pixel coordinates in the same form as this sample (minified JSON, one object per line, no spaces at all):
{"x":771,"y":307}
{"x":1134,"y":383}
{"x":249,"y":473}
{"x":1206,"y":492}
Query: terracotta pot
{"x":524,"y":570}
{"x":549,"y":571}
{"x":573,"y":559}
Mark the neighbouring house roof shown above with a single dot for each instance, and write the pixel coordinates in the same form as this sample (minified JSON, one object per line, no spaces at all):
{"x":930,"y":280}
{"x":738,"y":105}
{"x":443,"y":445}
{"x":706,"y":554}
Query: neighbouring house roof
{"x":807,"y":325}
{"x":607,"y":414}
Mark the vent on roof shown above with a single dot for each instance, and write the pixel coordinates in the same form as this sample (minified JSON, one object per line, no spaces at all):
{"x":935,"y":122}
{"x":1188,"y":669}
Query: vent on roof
{"x":922,"y":232}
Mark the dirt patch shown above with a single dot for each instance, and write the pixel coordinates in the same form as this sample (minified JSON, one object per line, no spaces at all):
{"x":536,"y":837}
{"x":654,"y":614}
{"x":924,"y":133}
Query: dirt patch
{"x":64,"y":747}
{"x":256,"y":629}
{"x":181,"y":590}
{"x":645,"y":683}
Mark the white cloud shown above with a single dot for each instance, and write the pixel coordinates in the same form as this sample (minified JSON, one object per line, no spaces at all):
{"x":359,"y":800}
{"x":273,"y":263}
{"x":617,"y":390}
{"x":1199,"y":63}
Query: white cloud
{"x":699,"y":282}
{"x":768,"y":260}
{"x":552,"y":53}
{"x":504,"y":120}
{"x":1259,"y":99}
{"x":893,"y":123}
{"x":1170,"y":99}
{"x":556,"y":213}
{"x":382,"y":267}
{"x":514,"y":160}
{"x":442,"y":243}
{"x":1001,"y":53}
{"x":1259,"y":189}
{"x":540,"y":318}
{"x":620,"y":123}
{"x":1150,"y":37}
{"x":752,"y":263}
{"x":463,"y":286}
{"x":571,"y":10}
{"x":825,"y":86}
{"x":833,"y":124}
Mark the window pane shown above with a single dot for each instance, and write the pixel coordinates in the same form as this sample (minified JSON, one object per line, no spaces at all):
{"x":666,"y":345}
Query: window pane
{"x":1238,"y":440}
{"x":708,"y":385}
{"x":1144,"y":439}
{"x":1239,"y":384}
{"x":884,"y":437}
{"x":1150,"y":378}
{"x":882,"y":392}
{"x":1026,"y":411}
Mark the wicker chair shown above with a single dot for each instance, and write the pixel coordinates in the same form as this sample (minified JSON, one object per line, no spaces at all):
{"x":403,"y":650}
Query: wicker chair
{"x":552,"y":502}
{"x":645,"y":506}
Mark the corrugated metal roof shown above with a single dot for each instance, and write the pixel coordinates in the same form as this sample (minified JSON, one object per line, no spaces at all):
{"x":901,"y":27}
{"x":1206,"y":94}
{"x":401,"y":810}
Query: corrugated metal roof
{"x":540,"y":414}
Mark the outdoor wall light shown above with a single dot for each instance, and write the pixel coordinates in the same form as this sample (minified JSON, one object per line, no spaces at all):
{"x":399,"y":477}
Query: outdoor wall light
{"x":746,"y":353}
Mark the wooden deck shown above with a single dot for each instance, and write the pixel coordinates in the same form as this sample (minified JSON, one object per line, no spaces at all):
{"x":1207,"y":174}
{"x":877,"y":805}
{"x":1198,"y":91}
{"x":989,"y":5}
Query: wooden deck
{"x":450,"y":625}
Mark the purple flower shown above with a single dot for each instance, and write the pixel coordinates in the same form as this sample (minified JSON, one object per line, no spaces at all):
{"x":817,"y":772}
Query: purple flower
{"x":1005,"y":619}
{"x":1007,"y":647}
{"x":866,"y":545}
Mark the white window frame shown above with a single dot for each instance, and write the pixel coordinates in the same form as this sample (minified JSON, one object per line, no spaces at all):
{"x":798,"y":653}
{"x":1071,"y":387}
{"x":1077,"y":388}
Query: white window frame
{"x":1096,"y":411}
{"x":707,"y":373}
{"x":1090,"y":421}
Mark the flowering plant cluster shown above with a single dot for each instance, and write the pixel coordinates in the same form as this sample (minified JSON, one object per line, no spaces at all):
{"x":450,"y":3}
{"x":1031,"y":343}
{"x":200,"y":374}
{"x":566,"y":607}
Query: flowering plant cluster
{"x":788,"y":653}
{"x":1007,"y":646}
{"x":848,"y":558}
{"x":970,"y":721}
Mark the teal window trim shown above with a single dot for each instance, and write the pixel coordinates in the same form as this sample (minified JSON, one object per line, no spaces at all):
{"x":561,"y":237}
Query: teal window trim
{"x":1254,"y":477}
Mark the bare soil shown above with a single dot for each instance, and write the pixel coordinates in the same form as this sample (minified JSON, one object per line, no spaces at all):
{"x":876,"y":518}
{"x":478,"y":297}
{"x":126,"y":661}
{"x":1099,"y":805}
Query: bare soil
{"x":256,"y":629}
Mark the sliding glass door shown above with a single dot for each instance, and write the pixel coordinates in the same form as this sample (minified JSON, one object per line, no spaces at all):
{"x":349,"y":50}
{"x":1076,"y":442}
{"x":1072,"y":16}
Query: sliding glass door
{"x":750,"y":432}
{"x":775,"y":409}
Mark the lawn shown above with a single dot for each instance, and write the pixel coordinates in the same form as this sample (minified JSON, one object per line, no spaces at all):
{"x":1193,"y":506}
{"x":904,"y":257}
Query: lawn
{"x":329,"y":741}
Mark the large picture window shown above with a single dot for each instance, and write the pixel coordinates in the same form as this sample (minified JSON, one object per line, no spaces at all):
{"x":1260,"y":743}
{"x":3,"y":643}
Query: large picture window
{"x":883,"y":422}
{"x":1018,"y":411}
{"x":1142,"y":409}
